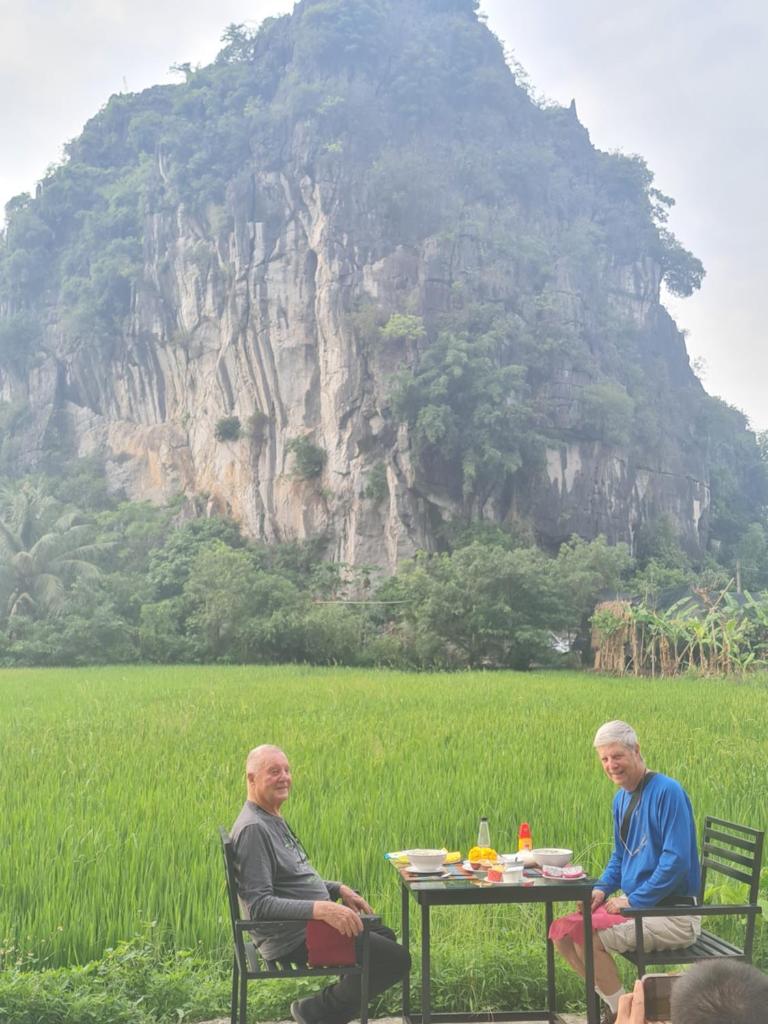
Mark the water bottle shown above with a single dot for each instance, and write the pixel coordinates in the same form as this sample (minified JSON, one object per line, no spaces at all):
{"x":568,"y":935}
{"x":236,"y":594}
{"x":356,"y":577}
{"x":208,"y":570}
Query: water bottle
{"x":483,"y":835}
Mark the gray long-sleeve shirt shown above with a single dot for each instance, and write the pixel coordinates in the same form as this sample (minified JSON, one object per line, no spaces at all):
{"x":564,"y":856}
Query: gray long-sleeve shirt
{"x":275,"y":881}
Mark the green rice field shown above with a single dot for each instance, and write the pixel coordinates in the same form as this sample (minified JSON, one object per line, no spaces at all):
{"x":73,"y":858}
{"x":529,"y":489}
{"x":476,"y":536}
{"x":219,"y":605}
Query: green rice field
{"x":113,"y":780}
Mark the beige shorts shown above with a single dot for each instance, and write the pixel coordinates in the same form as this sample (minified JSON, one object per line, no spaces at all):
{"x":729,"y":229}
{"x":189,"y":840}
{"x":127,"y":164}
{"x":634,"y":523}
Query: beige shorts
{"x":658,"y":933}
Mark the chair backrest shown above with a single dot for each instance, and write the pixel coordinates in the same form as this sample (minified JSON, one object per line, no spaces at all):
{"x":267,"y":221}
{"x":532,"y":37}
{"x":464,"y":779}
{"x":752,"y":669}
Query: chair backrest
{"x":228,"y":852}
{"x":245,"y":949}
{"x":735,"y":851}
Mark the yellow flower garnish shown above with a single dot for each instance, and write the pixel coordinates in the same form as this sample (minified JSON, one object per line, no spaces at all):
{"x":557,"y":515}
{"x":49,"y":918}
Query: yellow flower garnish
{"x":478,"y":853}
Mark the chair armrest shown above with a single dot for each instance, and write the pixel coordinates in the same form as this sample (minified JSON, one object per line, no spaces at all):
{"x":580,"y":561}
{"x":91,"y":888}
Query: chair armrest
{"x":721,"y":910}
{"x":243,"y":925}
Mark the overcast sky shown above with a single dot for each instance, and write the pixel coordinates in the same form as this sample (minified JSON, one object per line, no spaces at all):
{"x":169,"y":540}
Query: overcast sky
{"x":684,"y":83}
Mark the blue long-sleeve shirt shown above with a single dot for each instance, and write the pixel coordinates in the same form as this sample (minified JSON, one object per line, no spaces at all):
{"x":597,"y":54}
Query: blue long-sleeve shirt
{"x":660,"y":857}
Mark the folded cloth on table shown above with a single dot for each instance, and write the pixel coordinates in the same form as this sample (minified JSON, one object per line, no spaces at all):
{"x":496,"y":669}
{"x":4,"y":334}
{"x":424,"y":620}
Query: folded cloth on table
{"x":571,"y":926}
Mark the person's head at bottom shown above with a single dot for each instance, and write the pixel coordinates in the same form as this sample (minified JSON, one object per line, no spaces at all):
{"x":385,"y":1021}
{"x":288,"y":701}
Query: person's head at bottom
{"x":721,"y":992}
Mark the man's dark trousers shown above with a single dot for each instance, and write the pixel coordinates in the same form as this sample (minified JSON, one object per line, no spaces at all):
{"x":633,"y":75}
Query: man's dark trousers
{"x":340,"y":1002}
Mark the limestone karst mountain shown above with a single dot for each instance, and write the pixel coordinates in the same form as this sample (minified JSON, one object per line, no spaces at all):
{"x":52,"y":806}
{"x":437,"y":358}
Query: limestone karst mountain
{"x":351,"y":280}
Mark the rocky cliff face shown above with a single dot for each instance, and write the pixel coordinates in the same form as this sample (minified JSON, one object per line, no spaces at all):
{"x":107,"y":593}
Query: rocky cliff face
{"x":238,"y":312}
{"x":256,"y":325}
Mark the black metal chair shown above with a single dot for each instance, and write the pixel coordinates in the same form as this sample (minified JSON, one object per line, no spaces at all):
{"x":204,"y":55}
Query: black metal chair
{"x":733,"y":851}
{"x":248,"y":965}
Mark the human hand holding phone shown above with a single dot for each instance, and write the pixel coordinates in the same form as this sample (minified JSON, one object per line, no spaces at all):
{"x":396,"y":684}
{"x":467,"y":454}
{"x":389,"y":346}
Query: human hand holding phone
{"x":657,"y":996}
{"x":632,"y":1006}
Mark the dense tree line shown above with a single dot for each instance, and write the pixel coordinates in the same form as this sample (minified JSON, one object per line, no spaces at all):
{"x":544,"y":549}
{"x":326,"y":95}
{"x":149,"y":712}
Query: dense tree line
{"x":122,"y":582}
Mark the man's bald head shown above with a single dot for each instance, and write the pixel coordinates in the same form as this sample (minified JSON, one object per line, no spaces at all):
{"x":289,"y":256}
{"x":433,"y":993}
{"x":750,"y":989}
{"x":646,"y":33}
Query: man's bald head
{"x":258,"y":754}
{"x":268,"y":774}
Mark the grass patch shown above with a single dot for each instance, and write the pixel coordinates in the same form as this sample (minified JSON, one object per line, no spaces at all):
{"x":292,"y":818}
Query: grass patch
{"x":112,"y":782}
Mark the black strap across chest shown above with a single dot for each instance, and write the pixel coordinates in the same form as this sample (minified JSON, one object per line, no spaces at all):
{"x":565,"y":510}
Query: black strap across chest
{"x":634,"y":801}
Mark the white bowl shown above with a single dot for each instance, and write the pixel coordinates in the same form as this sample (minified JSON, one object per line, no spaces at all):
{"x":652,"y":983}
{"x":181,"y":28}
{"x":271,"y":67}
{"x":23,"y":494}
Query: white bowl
{"x":426,"y":860}
{"x":551,"y":855}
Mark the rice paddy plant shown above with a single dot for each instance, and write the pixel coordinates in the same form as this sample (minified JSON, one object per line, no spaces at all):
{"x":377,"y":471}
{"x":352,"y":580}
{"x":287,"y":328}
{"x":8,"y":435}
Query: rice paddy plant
{"x":112,"y":783}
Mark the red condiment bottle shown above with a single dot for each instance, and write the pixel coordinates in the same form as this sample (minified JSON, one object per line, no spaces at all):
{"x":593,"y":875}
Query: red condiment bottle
{"x":524,"y":839}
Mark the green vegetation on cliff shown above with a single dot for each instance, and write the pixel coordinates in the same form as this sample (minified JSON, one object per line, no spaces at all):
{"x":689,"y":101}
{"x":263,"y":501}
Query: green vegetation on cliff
{"x":430,"y":145}
{"x":540,"y":325}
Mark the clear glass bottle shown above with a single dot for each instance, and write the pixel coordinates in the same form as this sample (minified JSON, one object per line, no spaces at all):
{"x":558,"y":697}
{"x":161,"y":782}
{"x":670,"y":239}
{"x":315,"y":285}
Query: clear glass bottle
{"x":483,"y":834}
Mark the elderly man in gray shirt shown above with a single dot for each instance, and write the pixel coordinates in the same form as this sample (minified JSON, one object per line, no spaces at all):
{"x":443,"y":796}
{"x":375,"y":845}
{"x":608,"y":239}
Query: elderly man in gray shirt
{"x":276,"y":883}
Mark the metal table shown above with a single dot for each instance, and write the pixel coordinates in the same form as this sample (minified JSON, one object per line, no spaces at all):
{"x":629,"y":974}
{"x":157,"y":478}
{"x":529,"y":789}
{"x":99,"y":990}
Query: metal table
{"x":462,"y":892}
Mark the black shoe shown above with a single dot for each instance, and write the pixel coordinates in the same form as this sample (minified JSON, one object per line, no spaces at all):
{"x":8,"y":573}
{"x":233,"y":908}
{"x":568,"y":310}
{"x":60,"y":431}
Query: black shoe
{"x":300,"y":1011}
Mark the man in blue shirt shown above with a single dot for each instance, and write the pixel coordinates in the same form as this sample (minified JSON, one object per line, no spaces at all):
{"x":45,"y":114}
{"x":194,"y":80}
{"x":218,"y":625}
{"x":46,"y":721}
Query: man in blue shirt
{"x":654,"y":862}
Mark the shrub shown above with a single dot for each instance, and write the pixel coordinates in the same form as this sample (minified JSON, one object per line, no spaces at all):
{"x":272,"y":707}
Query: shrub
{"x":403,"y":325}
{"x":135,"y":983}
{"x":332,"y":635}
{"x":309,"y":459}
{"x":376,"y":486}
{"x":161,"y":633}
{"x":228,"y":428}
{"x":19,"y":337}
{"x":606,"y":413}
{"x":257,"y":426}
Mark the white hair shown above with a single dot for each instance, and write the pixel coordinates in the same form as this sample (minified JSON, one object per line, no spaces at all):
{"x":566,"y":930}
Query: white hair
{"x":617,"y":732}
{"x":255,"y":756}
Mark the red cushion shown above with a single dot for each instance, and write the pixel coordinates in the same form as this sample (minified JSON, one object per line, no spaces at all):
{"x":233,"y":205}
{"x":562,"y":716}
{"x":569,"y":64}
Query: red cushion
{"x":328,"y":948}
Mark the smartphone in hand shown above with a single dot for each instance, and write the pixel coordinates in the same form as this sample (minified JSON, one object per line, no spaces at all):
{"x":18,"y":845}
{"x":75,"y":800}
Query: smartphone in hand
{"x":657,"y":989}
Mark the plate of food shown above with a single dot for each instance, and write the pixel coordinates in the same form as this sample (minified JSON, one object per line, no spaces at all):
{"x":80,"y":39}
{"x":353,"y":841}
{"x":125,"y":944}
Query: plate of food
{"x":476,"y":868}
{"x":573,"y":872}
{"x":568,"y":873}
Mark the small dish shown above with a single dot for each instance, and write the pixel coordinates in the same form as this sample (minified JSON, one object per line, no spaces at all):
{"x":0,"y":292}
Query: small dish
{"x":468,"y":866}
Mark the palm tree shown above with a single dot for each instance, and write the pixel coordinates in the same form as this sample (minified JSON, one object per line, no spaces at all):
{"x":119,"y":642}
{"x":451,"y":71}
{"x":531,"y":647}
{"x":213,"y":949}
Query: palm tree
{"x":27,"y":509}
{"x":41,"y":556}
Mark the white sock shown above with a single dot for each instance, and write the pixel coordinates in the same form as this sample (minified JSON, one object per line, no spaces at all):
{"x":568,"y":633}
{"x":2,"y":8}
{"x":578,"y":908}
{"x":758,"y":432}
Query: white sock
{"x":613,"y":1001}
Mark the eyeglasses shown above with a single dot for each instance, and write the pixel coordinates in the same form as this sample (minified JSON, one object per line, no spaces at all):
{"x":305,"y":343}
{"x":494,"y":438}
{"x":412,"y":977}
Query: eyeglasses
{"x":641,"y":846}
{"x":292,"y":842}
